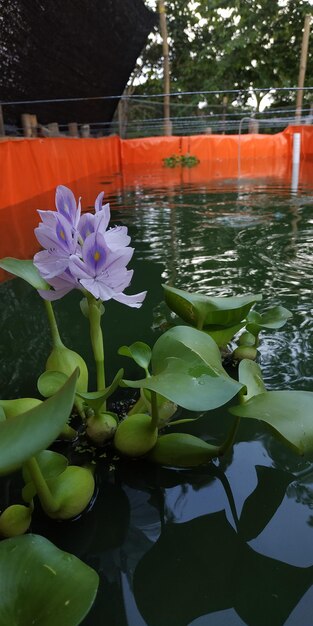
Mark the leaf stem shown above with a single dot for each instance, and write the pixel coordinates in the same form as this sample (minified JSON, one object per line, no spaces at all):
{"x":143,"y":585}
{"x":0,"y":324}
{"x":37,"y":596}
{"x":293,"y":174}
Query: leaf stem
{"x":154,"y":410}
{"x":45,"y":496}
{"x":229,"y":441}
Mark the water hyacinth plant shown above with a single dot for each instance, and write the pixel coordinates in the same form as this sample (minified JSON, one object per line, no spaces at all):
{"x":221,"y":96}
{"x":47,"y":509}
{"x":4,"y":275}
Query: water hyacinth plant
{"x":183,"y":371}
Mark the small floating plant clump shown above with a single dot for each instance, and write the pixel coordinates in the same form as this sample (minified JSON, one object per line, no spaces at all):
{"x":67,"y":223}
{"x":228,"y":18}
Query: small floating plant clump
{"x":183,"y":160}
{"x":183,"y":371}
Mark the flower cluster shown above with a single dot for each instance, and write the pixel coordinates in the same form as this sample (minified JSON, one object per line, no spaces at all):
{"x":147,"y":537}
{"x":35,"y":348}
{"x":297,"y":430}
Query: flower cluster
{"x":81,"y":253}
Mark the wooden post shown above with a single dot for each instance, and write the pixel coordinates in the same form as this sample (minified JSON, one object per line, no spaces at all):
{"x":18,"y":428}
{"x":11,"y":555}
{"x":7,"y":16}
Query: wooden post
{"x":26,"y":123}
{"x":166,"y":69}
{"x":73,"y":129}
{"x":225,"y":102}
{"x":34,"y":125}
{"x":85,"y":131}
{"x":302,"y":69}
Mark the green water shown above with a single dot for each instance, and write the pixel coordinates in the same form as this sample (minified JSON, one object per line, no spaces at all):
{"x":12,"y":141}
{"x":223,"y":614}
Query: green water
{"x":226,"y":545}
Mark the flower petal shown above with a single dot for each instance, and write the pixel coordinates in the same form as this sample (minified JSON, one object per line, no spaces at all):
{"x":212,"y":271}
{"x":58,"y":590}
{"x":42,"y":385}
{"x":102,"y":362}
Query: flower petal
{"x":66,"y":205}
{"x":50,"y":265}
{"x":117,"y":237}
{"x":95,"y":253}
{"x":134,"y":301}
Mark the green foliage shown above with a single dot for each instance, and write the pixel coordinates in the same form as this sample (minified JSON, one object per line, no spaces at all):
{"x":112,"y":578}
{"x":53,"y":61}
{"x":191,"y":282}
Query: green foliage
{"x":182,"y":450}
{"x":288,"y":413}
{"x":187,"y":369}
{"x":25,"y":270}
{"x":244,"y":45}
{"x":203,"y":311}
{"x":38,"y":579}
{"x":24,"y":435}
{"x":183,"y":160}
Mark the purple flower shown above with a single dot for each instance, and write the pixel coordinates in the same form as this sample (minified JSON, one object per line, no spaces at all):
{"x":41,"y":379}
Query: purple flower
{"x":81,"y":253}
{"x":66,"y":205}
{"x":59,"y":240}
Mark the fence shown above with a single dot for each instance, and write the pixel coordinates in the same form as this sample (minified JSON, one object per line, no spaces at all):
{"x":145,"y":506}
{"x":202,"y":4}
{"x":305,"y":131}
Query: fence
{"x":192,"y":113}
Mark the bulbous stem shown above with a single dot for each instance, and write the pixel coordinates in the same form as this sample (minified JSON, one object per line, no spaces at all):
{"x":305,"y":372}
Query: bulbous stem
{"x":154,"y":410}
{"x":56,"y":339}
{"x":45,"y":496}
{"x":97,"y":341}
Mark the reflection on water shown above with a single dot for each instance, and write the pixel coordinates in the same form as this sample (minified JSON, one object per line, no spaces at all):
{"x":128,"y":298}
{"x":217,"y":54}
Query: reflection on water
{"x":227,"y":545}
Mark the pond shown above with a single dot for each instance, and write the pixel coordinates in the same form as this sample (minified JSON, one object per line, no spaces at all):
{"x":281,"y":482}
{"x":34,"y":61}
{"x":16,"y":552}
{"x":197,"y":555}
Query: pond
{"x":222,"y":545}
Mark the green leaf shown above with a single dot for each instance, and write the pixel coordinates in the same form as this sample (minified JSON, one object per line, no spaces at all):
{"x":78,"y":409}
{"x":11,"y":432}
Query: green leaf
{"x":25,"y":270}
{"x":50,"y":382}
{"x":25,"y":435}
{"x":39,"y":582}
{"x":182,"y":450}
{"x":140,"y":352}
{"x":200,"y":310}
{"x":288,"y":413}
{"x":273,"y":318}
{"x":51,"y":464}
{"x":95,"y":399}
{"x":222,"y":336}
{"x":187,"y":369}
{"x":250,"y":375}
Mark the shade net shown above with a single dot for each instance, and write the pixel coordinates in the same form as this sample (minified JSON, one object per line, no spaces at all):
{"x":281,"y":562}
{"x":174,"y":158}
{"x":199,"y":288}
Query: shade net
{"x":52,"y":49}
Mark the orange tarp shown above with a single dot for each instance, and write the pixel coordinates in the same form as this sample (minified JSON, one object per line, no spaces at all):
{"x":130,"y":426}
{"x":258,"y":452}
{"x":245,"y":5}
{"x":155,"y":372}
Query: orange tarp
{"x":33,"y":166}
{"x":30,"y":167}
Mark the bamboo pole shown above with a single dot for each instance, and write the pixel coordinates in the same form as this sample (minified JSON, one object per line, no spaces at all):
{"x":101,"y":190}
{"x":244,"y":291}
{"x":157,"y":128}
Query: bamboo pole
{"x":166,"y":69}
{"x":302,"y":68}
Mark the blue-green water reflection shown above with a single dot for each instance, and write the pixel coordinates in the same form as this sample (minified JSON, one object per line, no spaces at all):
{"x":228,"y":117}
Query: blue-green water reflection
{"x":227,"y":545}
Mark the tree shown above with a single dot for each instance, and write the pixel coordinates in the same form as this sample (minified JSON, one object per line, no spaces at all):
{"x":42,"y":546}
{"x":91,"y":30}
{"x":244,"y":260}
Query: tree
{"x":230,"y":44}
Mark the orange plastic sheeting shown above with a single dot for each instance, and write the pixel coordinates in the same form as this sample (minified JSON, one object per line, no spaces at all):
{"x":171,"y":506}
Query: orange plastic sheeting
{"x":306,"y":139}
{"x":205,"y":147}
{"x":32,"y":166}
{"x":225,"y":147}
{"x":149,"y":149}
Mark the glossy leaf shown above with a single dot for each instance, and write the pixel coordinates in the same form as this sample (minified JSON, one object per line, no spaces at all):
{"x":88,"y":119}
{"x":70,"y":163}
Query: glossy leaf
{"x":25,"y":270}
{"x":95,"y":399}
{"x":250,"y":375}
{"x":222,"y":336}
{"x":40,"y":583}
{"x":139,"y":351}
{"x":200,"y":310}
{"x":182,"y":450}
{"x":187,"y":369}
{"x":288,"y":413}
{"x":273,"y":318}
{"x":50,"y":382}
{"x":51,"y":464}
{"x":25,"y":435}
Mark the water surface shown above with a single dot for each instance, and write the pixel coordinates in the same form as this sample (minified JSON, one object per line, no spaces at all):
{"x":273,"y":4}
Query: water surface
{"x":227,"y":545}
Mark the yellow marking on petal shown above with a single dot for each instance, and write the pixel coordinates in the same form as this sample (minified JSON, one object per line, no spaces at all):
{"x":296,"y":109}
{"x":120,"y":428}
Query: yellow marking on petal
{"x":97,"y":256}
{"x":62,"y":234}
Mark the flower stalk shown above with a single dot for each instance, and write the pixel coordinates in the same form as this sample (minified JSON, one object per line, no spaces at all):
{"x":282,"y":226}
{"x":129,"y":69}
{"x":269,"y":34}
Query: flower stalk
{"x":96,"y":337}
